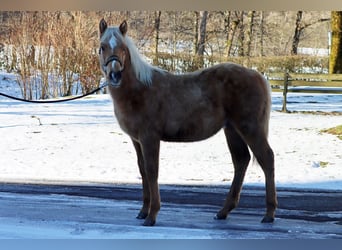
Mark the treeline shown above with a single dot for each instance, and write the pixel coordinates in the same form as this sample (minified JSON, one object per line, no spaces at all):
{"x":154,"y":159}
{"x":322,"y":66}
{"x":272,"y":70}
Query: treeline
{"x":54,"y":53}
{"x":51,"y":52}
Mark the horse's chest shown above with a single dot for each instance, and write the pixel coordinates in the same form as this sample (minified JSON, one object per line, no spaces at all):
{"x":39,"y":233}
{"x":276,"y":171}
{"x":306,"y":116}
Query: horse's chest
{"x":128,"y":122}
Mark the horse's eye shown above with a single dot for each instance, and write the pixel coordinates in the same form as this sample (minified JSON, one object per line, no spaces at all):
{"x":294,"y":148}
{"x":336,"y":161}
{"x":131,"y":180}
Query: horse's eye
{"x":101,"y":49}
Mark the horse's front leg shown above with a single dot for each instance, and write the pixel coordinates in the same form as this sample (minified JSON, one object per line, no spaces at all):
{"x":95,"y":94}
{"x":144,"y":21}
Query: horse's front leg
{"x":150,"y":151}
{"x":146,"y":189}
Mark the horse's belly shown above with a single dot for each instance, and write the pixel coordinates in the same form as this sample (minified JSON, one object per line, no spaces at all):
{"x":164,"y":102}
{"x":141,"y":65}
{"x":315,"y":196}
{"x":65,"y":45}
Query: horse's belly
{"x":176,"y":138}
{"x":190,"y":133}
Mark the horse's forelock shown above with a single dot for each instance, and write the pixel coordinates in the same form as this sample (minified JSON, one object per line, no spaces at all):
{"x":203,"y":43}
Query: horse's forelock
{"x":110,"y":32}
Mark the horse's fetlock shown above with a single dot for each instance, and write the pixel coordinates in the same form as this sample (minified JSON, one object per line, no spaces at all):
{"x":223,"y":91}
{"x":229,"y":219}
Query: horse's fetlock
{"x":142,"y":215}
{"x":221,"y":215}
{"x":267,"y":219}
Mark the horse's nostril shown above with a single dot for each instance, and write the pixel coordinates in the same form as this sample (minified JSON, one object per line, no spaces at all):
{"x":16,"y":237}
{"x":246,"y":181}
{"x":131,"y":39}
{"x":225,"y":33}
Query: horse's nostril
{"x":115,"y":77}
{"x":112,"y":76}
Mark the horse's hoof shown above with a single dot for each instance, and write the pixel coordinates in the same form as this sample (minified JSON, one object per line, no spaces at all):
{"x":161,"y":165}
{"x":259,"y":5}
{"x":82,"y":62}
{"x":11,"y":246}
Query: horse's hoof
{"x":149,"y":222}
{"x":142,"y":216}
{"x":267,"y":219}
{"x":219,"y":216}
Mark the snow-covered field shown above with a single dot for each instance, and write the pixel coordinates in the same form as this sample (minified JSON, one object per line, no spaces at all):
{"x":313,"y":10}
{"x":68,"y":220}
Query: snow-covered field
{"x":80,"y":141}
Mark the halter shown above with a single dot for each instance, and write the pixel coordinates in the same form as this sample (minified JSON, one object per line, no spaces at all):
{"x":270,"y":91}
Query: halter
{"x":113,"y":58}
{"x":112,"y":73}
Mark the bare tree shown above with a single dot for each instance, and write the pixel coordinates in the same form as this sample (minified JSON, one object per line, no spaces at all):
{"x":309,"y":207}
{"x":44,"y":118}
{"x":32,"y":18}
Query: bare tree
{"x":22,"y":40}
{"x":196,"y":31}
{"x":63,"y":44}
{"x":157,"y":15}
{"x":232,"y":21}
{"x":230,"y":27}
{"x":251,"y":15}
{"x":262,"y":33}
{"x":335,"y":65}
{"x":241,"y":38}
{"x":298,"y":32}
{"x":300,"y":27}
{"x":202,"y":32}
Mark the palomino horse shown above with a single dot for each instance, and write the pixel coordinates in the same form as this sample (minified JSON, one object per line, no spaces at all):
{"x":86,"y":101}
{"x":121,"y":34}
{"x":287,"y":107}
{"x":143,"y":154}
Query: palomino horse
{"x":153,"y":105}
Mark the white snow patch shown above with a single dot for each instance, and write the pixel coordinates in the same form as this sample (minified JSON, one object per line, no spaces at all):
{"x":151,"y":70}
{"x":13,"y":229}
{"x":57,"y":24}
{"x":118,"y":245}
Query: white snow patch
{"x":81,"y":141}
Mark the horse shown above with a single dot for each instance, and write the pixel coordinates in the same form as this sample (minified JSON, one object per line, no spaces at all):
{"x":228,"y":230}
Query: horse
{"x":154,"y":105}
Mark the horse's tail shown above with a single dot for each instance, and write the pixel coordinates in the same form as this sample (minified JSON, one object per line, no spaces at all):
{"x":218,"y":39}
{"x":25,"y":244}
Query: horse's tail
{"x":268,"y":106}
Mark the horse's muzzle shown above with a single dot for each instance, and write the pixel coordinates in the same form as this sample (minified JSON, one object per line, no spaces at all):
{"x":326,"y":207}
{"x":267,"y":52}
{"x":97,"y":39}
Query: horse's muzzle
{"x":113,"y":66}
{"x":115,"y":78}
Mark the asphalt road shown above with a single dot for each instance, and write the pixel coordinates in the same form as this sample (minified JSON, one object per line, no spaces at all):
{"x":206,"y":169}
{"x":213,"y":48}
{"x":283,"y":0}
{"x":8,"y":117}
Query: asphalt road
{"x":108,"y":211}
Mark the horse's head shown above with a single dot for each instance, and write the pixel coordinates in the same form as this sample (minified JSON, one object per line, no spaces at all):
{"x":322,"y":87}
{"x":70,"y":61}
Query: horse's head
{"x":112,"y":52}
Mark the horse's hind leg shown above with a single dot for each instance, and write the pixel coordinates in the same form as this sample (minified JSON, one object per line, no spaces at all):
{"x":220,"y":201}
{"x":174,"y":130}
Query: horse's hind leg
{"x":241,"y":157}
{"x":256,"y":139}
{"x":265,"y":157}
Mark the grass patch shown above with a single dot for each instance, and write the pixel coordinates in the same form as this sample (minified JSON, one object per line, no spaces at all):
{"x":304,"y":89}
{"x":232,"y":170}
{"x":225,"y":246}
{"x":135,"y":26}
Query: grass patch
{"x":334,"y":131}
{"x":323,"y":164}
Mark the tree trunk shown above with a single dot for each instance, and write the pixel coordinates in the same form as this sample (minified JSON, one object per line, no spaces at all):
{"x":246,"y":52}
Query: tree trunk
{"x":262,"y":33}
{"x":227,"y":28}
{"x":157,"y":15}
{"x":298,"y":33}
{"x":251,"y":15}
{"x":241,"y":38}
{"x":196,"y":28}
{"x":335,"y":63}
{"x":231,"y":36}
{"x":202,"y":39}
{"x":202,"y":32}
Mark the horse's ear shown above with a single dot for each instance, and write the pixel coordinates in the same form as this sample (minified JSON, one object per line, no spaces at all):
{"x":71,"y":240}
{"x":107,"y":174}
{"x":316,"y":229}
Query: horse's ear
{"x":123,"y":28}
{"x":103,"y":26}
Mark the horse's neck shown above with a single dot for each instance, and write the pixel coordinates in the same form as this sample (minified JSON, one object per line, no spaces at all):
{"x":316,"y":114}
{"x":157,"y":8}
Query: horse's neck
{"x":129,"y":85}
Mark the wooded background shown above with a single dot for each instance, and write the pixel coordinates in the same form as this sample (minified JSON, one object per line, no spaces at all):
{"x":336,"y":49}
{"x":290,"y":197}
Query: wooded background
{"x":61,"y":47}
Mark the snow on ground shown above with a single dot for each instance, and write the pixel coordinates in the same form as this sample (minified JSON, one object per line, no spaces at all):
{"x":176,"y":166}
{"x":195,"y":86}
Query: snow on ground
{"x":80,"y":141}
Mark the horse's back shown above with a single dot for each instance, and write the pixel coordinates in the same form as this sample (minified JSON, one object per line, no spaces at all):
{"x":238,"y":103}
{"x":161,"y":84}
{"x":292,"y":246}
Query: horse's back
{"x":199,"y":104}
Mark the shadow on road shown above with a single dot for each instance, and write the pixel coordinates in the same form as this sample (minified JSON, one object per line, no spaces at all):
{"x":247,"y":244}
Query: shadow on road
{"x":108,"y":211}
